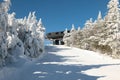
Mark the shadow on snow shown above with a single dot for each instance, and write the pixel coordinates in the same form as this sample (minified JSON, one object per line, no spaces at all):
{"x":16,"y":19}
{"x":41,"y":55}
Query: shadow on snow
{"x":45,"y":70}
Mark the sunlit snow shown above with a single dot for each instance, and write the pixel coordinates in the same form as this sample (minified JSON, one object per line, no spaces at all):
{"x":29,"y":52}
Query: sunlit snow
{"x":65,"y":63}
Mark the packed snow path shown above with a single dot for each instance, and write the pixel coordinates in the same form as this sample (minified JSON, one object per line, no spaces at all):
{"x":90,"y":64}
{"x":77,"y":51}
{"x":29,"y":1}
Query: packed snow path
{"x":64,"y":63}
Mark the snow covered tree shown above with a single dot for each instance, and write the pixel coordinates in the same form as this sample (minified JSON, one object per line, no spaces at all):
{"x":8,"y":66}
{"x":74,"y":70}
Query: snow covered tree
{"x":32,"y":35}
{"x":4,"y":7}
{"x":79,"y":28}
{"x":66,"y":37}
{"x":113,"y":11}
{"x":19,"y":36}
{"x":14,"y":44}
{"x":112,"y":28}
{"x":73,"y":28}
{"x":97,"y":31}
{"x":78,"y":37}
{"x":72,"y":35}
{"x":40,"y":33}
{"x":87,"y":30}
{"x":99,"y":16}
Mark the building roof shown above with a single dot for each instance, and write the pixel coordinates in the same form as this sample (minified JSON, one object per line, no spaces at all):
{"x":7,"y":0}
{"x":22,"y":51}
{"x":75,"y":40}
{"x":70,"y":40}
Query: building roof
{"x":55,"y":35}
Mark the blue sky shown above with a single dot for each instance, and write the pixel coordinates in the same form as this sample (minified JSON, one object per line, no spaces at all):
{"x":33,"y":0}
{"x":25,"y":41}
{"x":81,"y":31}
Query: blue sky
{"x":60,"y":14}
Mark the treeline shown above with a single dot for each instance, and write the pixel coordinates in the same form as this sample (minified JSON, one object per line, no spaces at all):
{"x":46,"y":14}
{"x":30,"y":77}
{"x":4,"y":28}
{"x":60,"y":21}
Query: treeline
{"x":101,"y":35}
{"x":18,"y":37}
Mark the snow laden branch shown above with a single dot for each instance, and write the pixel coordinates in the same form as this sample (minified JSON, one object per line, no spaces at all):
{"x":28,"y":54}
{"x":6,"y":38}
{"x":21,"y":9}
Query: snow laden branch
{"x":102,"y":35}
{"x":19,"y":36}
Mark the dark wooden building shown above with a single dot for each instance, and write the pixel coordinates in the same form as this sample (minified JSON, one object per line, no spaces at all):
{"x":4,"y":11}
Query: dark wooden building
{"x":56,"y":37}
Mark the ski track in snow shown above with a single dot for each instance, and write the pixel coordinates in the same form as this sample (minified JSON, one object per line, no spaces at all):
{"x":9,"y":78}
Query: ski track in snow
{"x":65,"y":63}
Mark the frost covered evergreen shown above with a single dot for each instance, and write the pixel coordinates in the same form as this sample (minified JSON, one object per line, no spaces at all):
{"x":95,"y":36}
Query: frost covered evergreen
{"x":19,"y":36}
{"x":67,"y":37}
{"x":31,"y":33}
{"x":102,"y":35}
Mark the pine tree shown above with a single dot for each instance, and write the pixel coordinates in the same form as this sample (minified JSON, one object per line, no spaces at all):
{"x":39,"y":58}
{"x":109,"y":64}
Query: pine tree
{"x":99,"y":16}
{"x":113,"y":14}
{"x":73,"y":28}
{"x":112,"y":27}
{"x":66,"y":37}
{"x":79,"y":28}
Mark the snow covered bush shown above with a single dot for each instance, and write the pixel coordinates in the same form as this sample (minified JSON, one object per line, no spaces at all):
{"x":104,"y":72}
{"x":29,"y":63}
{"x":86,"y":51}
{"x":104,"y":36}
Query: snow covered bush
{"x":19,"y":36}
{"x":101,"y":35}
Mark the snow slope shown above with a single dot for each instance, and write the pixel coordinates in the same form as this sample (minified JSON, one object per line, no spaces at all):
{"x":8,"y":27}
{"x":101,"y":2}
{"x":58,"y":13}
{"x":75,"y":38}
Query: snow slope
{"x":64,"y":63}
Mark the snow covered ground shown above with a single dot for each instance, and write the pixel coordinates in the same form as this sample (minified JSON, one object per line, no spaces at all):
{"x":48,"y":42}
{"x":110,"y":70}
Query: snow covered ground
{"x":64,"y":63}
